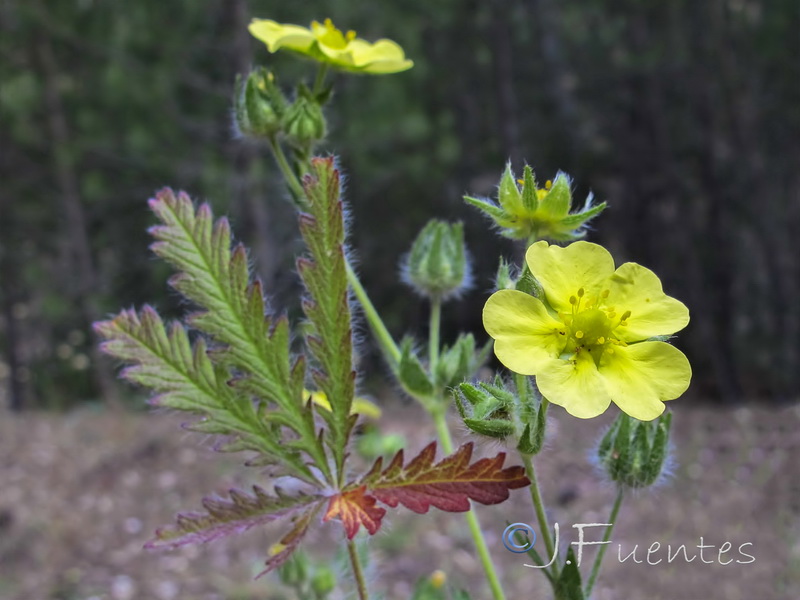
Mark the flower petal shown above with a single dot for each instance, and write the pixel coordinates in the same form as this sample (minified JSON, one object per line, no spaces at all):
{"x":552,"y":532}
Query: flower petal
{"x":641,"y":376}
{"x":277,"y":36}
{"x":574,"y":384}
{"x":562,"y":271}
{"x":637,"y":289}
{"x":525,"y":334}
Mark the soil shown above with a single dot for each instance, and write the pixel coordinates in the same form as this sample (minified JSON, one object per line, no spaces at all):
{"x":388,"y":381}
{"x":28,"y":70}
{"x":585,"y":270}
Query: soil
{"x":81,"y":493}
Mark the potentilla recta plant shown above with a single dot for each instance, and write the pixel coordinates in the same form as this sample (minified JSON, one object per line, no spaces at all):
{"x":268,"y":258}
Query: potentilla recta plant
{"x":571,"y":328}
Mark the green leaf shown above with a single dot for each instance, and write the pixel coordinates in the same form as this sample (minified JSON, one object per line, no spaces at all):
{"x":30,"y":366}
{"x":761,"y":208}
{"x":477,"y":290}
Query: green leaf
{"x":412,"y":375}
{"x":218,"y":280}
{"x":569,"y":585}
{"x":330,"y":338}
{"x":185,"y":379}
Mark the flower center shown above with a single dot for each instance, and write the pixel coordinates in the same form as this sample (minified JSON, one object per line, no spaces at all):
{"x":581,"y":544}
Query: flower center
{"x":591,"y":324}
{"x":328,"y":35}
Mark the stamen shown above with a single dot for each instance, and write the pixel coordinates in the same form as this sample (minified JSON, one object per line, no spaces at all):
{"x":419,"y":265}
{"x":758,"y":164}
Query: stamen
{"x":612,"y":314}
{"x":548,"y":184}
{"x":626,"y":315}
{"x":590,"y":303}
{"x":579,"y":334}
{"x":604,"y":293}
{"x":573,"y":300}
{"x":329,"y":23}
{"x":581,"y":292}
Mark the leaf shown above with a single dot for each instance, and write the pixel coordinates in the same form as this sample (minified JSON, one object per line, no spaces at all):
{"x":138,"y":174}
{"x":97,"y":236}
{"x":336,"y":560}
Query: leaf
{"x":569,"y":586}
{"x":184,"y":378}
{"x":448,"y":485}
{"x":224,"y":517}
{"x":218,"y":279}
{"x":354,"y":508}
{"x":330,"y":339}
{"x":290,"y":541}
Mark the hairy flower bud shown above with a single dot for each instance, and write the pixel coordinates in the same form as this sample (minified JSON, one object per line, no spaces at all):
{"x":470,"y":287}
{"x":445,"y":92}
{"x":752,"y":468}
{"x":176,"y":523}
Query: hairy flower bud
{"x":259,"y":104}
{"x":304,"y":123}
{"x":633,"y":453}
{"x":437,"y":265}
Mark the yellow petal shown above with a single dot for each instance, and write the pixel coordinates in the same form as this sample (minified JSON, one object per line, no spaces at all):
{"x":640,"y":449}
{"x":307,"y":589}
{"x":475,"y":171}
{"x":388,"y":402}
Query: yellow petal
{"x":360,"y":406}
{"x":637,"y":289}
{"x":574,"y":384}
{"x":525,"y":334}
{"x":277,"y":36}
{"x":640,"y":377}
{"x":562,"y":271}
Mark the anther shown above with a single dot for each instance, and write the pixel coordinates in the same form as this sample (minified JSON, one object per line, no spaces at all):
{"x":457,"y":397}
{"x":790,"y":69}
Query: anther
{"x":573,"y":300}
{"x":350,"y":35}
{"x":625,"y":315}
{"x":548,"y":184}
{"x":605,"y":293}
{"x":581,"y":292}
{"x":612,"y":314}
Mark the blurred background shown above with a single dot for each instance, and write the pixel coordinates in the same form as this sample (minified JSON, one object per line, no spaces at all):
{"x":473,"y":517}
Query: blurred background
{"x":683,"y":115}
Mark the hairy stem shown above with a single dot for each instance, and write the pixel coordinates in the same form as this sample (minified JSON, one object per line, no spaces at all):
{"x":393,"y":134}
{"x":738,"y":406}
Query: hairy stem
{"x":387,"y":344}
{"x":433,"y":334}
{"x":319,"y":80}
{"x":472,"y":518}
{"x":358,"y":572}
{"x":606,"y":537}
{"x":295,"y":187}
{"x":538,"y":505}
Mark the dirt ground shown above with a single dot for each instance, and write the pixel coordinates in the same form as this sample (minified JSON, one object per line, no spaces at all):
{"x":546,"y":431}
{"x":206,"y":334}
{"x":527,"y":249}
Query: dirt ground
{"x":81,"y":493}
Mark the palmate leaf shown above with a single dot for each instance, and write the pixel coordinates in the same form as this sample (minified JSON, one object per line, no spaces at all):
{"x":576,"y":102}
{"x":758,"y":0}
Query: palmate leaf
{"x":218,"y":280}
{"x":448,"y":485}
{"x":185,"y":379}
{"x":324,"y":274}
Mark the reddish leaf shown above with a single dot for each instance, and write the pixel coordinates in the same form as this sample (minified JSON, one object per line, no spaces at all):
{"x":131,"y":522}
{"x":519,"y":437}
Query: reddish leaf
{"x":447,"y":485}
{"x":225,"y":517}
{"x":355,"y":508}
{"x":289,"y":543}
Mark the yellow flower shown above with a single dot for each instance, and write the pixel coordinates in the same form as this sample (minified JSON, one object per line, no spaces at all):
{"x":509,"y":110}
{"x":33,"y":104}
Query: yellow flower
{"x":588,"y":343}
{"x":326,"y":44}
{"x":361,"y":406}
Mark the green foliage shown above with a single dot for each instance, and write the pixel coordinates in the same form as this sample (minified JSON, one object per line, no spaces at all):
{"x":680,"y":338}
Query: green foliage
{"x":633,"y":453}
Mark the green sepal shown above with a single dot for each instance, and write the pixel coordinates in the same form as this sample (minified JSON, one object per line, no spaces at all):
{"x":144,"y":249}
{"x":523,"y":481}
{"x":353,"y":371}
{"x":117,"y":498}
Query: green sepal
{"x":558,"y":199}
{"x":490,"y":208}
{"x":508,"y":194}
{"x":569,"y":586}
{"x":412,"y":375}
{"x":503,"y":279}
{"x":459,"y":361}
{"x":495,"y":428}
{"x":530,"y":199}
{"x":659,"y":449}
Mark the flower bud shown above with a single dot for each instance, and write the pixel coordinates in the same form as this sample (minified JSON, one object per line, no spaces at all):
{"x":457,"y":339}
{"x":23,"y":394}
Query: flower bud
{"x":633,"y":453}
{"x":304,"y":123}
{"x":259,"y":104}
{"x":295,"y":570}
{"x":437,"y":265}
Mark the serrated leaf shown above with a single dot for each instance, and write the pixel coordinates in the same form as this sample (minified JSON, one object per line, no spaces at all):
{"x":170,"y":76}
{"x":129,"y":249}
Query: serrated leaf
{"x":226,"y":516}
{"x":218,"y":280}
{"x":184,"y":378}
{"x":355,"y":508}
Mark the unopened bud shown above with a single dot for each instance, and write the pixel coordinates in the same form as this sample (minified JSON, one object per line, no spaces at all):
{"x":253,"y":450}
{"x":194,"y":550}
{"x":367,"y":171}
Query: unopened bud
{"x":259,"y":105}
{"x":633,"y":453}
{"x":304,"y":123}
{"x":437,"y":265}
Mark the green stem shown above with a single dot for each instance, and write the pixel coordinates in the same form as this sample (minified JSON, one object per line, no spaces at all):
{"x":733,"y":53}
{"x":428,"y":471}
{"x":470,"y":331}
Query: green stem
{"x":358,"y":572}
{"x":433,"y":334}
{"x":538,"y":505}
{"x":472,"y":519}
{"x":387,"y":344}
{"x":289,"y":175}
{"x":606,"y":537}
{"x":319,"y":80}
